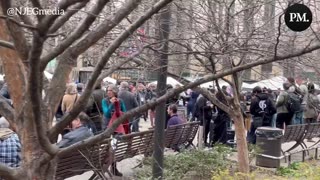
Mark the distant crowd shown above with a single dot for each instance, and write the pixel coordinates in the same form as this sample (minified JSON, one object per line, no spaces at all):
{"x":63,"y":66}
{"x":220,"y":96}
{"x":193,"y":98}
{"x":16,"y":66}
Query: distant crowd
{"x":297,"y":103}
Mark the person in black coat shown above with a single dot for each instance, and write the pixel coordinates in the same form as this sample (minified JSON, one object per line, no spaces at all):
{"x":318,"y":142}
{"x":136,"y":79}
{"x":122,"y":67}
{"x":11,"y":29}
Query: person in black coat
{"x":262,"y":109}
{"x":222,"y":120}
{"x":203,"y":113}
{"x":94,"y":109}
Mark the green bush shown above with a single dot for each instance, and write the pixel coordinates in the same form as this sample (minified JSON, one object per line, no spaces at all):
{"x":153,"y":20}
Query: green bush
{"x":306,"y":170}
{"x":224,"y":174}
{"x":192,"y":164}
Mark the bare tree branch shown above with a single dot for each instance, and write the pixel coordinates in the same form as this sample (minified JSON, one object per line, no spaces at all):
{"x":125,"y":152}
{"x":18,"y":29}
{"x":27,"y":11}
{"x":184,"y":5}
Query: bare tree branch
{"x":214,"y":100}
{"x":172,"y":93}
{"x":35,"y":87}
{"x":100,"y":65}
{"x":47,"y":21}
{"x":204,"y":92}
{"x":17,"y":22}
{"x":278,"y":37}
{"x":17,"y":33}
{"x":7,"y":44}
{"x":92,"y":37}
{"x":67,"y":15}
{"x":69,"y":56}
{"x":37,"y":4}
{"x":26,"y":20}
{"x":14,"y":70}
{"x":82,"y":28}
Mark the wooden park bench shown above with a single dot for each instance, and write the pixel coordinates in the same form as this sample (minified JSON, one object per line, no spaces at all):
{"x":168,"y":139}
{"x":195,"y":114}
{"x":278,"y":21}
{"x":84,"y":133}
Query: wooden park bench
{"x":182,"y":134}
{"x":93,"y":158}
{"x":294,"y":133}
{"x":313,"y":131}
{"x":130,"y":145}
{"x":97,"y":158}
{"x":298,"y":134}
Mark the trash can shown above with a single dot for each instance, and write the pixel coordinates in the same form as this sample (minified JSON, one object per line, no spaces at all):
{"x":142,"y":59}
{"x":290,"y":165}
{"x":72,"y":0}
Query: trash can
{"x":269,"y":142}
{"x":230,"y":134}
{"x":232,"y":143}
{"x":230,"y":138}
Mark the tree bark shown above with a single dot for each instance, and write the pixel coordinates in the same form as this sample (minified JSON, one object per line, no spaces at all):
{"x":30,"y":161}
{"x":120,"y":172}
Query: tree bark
{"x":242,"y":146}
{"x":14,"y":70}
{"x":163,"y":33}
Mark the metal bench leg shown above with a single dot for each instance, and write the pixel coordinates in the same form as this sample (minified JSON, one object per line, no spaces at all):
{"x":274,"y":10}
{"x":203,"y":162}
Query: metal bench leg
{"x":316,"y":153}
{"x":285,"y":157}
{"x":289,"y":159}
{"x":304,"y":147}
{"x":96,"y":175}
{"x":93,"y":176}
{"x":303,"y":155}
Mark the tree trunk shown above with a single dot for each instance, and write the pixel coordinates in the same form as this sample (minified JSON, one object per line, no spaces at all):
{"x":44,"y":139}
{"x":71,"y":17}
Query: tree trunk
{"x":242,"y":146}
{"x":163,"y":33}
{"x":36,"y":171}
{"x":36,"y":163}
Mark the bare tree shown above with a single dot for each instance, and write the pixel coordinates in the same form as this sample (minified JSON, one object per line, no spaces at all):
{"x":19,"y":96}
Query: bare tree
{"x":25,"y":55}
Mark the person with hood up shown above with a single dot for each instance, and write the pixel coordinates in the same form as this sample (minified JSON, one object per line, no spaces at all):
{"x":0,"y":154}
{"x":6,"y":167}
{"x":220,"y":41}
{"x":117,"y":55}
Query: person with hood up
{"x":262,"y":109}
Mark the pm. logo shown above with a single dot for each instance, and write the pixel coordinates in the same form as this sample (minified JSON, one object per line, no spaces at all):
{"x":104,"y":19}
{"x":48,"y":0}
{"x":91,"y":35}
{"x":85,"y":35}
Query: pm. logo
{"x":298,"y":17}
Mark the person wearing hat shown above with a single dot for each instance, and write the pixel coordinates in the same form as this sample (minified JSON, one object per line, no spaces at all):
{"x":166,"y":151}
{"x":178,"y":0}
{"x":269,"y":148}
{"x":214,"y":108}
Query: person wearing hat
{"x":10,"y":146}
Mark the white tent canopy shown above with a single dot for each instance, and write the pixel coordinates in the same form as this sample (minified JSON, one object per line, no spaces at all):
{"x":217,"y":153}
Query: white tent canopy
{"x":210,"y":84}
{"x":222,"y":83}
{"x":110,"y":80}
{"x":48,"y":75}
{"x":274,"y":83}
{"x":170,"y":81}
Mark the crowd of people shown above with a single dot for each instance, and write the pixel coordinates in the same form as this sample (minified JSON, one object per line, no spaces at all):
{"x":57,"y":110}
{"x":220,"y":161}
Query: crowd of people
{"x":297,"y":103}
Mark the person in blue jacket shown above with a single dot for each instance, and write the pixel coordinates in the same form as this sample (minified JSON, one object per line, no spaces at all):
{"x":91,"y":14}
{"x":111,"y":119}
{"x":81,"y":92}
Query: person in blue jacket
{"x":108,"y":104}
{"x":108,"y":109}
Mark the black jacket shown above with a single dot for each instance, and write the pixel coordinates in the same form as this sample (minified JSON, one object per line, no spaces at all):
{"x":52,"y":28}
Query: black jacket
{"x":262,"y":105}
{"x":202,"y":110}
{"x":94,"y":106}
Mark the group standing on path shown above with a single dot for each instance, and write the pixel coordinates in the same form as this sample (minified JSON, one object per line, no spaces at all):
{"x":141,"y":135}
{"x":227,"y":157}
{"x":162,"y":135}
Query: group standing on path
{"x":297,"y":103}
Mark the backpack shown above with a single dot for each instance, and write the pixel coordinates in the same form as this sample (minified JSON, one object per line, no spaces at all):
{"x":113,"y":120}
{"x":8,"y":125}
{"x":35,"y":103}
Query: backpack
{"x":293,"y":103}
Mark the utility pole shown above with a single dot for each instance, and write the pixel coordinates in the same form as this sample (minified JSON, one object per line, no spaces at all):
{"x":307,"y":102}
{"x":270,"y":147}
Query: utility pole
{"x":163,"y":33}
